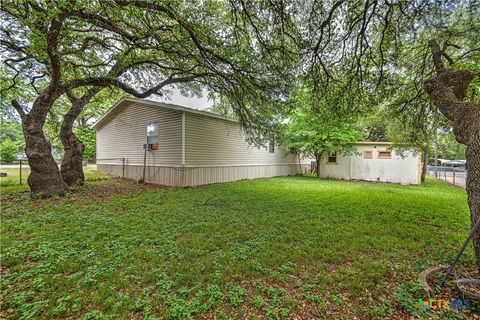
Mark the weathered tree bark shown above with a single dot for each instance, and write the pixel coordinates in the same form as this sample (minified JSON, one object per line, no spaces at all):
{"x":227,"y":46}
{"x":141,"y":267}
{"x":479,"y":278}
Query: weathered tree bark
{"x":44,"y":178}
{"x":473,"y":185}
{"x":448,"y":90}
{"x":72,"y":165}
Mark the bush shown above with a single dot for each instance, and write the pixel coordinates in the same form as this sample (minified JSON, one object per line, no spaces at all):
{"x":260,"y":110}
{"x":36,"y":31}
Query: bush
{"x":8,"y":150}
{"x":87,"y":136}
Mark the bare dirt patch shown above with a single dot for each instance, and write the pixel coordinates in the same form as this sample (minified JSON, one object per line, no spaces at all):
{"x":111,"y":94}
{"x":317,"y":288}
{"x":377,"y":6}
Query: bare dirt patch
{"x":92,"y":192}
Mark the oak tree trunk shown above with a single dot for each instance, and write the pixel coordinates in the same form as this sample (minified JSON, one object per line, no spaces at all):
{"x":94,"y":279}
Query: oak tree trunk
{"x":44,"y":178}
{"x":448,"y":90}
{"x":72,"y":164}
{"x":473,"y":187}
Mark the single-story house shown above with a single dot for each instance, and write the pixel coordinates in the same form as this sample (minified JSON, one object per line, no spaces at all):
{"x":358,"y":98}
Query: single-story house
{"x":188,"y":147}
{"x":374,"y":161}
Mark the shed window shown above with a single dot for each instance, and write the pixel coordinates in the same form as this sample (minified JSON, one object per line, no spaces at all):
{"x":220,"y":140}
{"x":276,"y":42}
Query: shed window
{"x":152,"y":133}
{"x":271,"y":146}
{"x":384,"y":154}
{"x":368,"y":154}
{"x":332,"y":157}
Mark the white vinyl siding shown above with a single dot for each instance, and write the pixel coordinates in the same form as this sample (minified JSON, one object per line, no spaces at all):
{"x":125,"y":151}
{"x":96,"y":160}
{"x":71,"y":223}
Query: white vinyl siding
{"x":215,"y":142}
{"x":194,"y":148}
{"x":124,"y":132}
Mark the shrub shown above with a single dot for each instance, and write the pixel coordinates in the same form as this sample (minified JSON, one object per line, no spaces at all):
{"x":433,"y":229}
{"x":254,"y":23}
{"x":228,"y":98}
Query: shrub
{"x":8,"y":150}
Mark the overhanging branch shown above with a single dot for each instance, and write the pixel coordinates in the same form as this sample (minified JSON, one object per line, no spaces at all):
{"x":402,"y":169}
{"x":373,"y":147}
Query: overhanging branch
{"x":104,"y":82}
{"x":18,"y":108}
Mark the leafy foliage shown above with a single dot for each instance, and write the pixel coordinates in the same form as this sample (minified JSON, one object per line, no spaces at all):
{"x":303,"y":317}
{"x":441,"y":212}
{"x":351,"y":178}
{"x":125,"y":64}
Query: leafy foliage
{"x":87,"y":136}
{"x":114,"y":46}
{"x":11,"y":130}
{"x":11,"y":139}
{"x":448,"y":147}
{"x":314,"y":127}
{"x":312,"y":138}
{"x":9,"y":149}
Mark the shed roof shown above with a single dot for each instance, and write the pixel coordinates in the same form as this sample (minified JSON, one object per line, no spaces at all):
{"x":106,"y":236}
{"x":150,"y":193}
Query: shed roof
{"x":369,"y":143}
{"x":157,"y":104}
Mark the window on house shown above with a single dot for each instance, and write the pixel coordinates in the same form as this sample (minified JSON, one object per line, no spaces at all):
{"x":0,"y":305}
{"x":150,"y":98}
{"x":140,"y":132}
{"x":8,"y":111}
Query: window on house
{"x":271,"y":146}
{"x":368,"y":154}
{"x":384,"y":154}
{"x":152,"y":133}
{"x":332,"y":157}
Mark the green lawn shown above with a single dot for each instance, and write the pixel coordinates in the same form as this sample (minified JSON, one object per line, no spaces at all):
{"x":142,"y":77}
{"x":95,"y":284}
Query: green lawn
{"x":291,"y":247}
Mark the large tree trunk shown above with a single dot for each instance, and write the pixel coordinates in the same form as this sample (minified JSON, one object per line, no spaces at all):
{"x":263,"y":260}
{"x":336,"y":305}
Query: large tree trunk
{"x":72,"y":166}
{"x":473,"y":186}
{"x":44,"y":178}
{"x":448,"y":91}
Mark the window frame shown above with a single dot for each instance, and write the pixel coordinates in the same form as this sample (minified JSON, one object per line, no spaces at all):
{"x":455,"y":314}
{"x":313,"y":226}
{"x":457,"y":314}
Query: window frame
{"x":329,"y":155}
{"x":157,"y":136}
{"x":384,"y":157}
{"x":369,"y":152}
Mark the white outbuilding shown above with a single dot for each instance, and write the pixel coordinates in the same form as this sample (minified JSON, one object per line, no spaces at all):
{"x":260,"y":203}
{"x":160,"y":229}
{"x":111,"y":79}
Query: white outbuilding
{"x":374,"y":161}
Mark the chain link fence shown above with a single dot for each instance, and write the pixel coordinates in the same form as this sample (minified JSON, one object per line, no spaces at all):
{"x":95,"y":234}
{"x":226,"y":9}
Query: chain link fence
{"x":14,"y":172}
{"x":453,"y":175}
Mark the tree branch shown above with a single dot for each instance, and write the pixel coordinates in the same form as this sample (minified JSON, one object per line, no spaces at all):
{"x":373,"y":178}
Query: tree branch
{"x":436,"y":56}
{"x":18,"y":108}
{"x":104,"y":82}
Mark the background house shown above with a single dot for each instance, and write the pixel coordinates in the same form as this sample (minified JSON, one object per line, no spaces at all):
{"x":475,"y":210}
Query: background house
{"x":373,"y":161}
{"x":194,"y":147}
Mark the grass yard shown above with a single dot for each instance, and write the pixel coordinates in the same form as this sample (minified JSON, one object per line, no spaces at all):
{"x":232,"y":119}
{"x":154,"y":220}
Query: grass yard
{"x":290,"y":247}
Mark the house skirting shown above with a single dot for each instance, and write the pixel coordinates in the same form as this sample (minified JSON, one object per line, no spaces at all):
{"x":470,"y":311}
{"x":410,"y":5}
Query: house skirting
{"x":187,"y":176}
